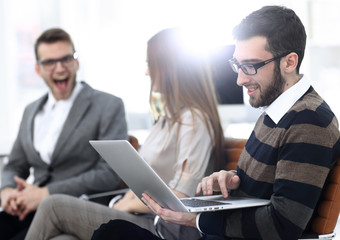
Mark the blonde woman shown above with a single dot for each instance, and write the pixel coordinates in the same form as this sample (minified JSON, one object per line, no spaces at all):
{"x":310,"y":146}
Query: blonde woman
{"x":184,"y":145}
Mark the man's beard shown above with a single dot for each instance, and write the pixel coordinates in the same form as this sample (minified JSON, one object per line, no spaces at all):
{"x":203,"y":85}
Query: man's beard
{"x":271,"y":92}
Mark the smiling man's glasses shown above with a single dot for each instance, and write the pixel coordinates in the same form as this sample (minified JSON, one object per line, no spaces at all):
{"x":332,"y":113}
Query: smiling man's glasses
{"x":251,"y":68}
{"x":66,"y":61}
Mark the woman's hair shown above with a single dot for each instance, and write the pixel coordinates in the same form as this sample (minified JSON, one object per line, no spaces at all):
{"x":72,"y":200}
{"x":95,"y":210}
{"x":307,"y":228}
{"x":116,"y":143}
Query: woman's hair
{"x":184,"y":82}
{"x":281,"y":26}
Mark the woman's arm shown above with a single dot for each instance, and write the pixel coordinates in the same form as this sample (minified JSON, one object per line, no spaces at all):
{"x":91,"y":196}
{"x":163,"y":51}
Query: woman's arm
{"x":131,"y":203}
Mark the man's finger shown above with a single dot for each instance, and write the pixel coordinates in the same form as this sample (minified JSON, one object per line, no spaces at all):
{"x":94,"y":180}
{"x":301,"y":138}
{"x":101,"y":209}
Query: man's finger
{"x":199,"y":188}
{"x":150,"y":203}
{"x":204,"y":185}
{"x":222,"y":182}
{"x":13,"y":205}
{"x":20,"y":182}
{"x":23,"y":213}
{"x":209,"y":185}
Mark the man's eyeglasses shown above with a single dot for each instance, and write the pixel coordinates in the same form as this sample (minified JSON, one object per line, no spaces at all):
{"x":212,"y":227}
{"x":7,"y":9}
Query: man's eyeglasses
{"x":251,"y":68}
{"x":67,"y":62}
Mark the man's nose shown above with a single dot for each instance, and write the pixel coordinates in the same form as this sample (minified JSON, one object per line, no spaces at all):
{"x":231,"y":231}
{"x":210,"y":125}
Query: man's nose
{"x":242,"y":78}
{"x":59,"y":66}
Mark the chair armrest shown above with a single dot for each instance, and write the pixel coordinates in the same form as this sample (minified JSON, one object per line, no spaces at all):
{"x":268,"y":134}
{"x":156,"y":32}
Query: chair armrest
{"x":155,"y":224}
{"x":104,"y":194}
{"x":115,"y":199}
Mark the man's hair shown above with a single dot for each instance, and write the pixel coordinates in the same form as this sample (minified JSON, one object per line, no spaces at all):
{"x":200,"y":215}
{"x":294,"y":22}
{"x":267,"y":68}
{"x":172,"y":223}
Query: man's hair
{"x":51,"y":36}
{"x":281,"y":27}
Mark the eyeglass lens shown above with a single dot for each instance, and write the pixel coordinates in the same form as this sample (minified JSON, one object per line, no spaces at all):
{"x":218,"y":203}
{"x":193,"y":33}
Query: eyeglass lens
{"x":66,"y":61}
{"x":248,"y":69}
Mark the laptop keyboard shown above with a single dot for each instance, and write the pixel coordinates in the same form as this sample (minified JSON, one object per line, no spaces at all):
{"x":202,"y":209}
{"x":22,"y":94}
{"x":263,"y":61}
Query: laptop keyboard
{"x":200,"y":203}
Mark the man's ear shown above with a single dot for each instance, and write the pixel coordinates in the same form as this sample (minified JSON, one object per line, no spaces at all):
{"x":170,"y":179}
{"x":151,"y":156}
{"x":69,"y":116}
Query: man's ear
{"x":77,"y":62}
{"x":37,"y":69}
{"x":290,"y":62}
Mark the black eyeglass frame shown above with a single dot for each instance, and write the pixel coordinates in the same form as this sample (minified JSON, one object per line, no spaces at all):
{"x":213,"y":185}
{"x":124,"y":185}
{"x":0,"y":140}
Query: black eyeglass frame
{"x":62,"y":60}
{"x":256,"y":66}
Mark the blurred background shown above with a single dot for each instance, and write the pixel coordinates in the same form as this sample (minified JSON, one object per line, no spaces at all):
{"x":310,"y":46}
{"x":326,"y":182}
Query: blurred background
{"x":110,"y":37}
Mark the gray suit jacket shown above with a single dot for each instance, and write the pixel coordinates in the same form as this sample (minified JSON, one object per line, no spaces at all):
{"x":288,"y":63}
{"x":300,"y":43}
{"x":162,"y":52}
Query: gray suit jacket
{"x":75,"y":167}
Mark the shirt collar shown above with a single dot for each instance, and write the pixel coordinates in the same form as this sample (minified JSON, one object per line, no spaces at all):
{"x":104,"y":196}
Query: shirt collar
{"x":51,"y":101}
{"x":277,"y":109}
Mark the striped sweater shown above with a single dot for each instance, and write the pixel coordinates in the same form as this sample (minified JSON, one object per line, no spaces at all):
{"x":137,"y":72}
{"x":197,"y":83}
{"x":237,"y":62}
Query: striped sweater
{"x":287,"y":163}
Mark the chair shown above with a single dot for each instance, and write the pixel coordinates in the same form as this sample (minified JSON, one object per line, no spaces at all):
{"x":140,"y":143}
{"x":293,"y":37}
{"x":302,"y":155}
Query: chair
{"x":233,"y":148}
{"x":327,"y":211}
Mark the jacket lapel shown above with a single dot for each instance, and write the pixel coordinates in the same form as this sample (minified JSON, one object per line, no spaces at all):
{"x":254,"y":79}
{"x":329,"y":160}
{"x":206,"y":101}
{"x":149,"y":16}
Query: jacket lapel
{"x":30,"y":124}
{"x":80,"y":105}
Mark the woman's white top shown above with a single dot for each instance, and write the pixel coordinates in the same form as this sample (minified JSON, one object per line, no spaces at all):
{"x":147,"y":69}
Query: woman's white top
{"x":194,"y":146}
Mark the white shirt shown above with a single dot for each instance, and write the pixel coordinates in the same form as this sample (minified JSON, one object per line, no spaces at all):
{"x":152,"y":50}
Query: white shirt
{"x":277,"y":109}
{"x":49,"y":122}
{"x":167,"y":158}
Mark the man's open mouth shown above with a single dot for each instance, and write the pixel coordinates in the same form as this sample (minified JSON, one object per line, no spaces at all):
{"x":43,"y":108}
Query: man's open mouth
{"x":61,"y":84}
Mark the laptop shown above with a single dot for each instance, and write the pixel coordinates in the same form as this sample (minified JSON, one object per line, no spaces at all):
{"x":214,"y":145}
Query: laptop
{"x":140,"y":177}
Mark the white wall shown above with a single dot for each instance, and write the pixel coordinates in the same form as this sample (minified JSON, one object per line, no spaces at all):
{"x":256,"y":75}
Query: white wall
{"x":111,"y":36}
{"x":4,"y":107}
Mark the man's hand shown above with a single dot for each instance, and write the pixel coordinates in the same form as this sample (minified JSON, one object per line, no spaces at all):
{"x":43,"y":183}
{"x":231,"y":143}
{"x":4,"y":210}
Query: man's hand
{"x":29,"y":198}
{"x":187,"y":219}
{"x":8,"y":200}
{"x":219,"y":181}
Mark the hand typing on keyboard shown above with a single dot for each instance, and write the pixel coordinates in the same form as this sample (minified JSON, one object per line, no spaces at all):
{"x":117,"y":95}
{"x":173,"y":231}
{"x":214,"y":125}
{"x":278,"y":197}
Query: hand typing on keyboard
{"x":222,"y":181}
